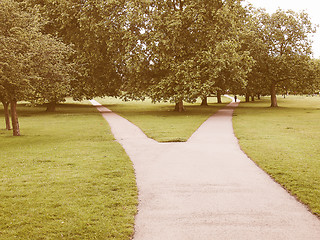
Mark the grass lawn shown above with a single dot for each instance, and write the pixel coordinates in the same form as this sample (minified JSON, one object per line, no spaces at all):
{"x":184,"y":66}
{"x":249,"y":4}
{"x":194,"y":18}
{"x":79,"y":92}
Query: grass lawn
{"x":159,"y":121}
{"x":285,"y":143}
{"x":65,"y":178}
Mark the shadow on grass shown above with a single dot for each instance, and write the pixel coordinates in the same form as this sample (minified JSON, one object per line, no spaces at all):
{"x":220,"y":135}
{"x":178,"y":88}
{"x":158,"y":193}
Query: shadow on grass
{"x":173,"y":140}
{"x":163,"y":111}
{"x":264,"y":105}
{"x":26,"y":110}
{"x":274,"y":109}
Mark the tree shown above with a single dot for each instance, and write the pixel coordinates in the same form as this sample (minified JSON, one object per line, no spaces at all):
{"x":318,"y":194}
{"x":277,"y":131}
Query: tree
{"x":235,"y":64}
{"x":15,"y":24}
{"x":185,"y":49}
{"x":308,"y":82}
{"x":285,"y":35}
{"x":97,"y":30}
{"x":27,"y":56}
{"x":258,"y":50}
{"x":5,"y":102}
{"x":315,"y":66}
{"x":53,"y":71}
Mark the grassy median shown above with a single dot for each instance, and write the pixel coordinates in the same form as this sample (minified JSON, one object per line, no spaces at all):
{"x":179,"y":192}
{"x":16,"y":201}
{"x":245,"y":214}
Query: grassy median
{"x":65,"y":177}
{"x":160,"y":122}
{"x":285,"y":142}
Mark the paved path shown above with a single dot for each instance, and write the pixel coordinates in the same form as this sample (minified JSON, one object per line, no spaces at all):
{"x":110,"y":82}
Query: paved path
{"x":207,"y":188}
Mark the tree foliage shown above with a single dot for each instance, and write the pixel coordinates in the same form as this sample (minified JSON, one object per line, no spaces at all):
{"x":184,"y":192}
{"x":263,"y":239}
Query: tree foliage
{"x":188,"y":49}
{"x":284,"y":61}
{"x":97,"y":30}
{"x":166,"y":50}
{"x":33,"y":65}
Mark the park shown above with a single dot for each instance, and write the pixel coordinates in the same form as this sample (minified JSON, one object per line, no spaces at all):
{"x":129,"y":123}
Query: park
{"x":157,"y":120}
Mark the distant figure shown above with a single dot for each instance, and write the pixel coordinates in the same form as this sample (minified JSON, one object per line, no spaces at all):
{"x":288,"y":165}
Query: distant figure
{"x":235,"y":98}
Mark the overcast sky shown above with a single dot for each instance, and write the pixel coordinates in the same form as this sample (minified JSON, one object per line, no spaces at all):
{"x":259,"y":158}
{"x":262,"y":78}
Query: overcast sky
{"x":312,"y":7}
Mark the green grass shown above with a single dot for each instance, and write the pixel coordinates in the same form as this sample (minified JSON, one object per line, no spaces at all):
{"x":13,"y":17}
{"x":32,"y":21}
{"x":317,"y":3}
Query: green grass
{"x":285,"y":143}
{"x":159,"y":121}
{"x":65,"y":177}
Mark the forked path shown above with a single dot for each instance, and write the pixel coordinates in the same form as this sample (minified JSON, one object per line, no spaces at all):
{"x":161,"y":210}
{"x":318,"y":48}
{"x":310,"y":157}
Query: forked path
{"x":207,"y":188}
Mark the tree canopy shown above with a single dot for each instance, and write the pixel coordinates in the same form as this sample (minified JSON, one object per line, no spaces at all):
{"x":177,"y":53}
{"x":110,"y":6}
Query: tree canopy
{"x":188,"y":49}
{"x":167,"y":50}
{"x":97,"y":31}
{"x":286,"y":51}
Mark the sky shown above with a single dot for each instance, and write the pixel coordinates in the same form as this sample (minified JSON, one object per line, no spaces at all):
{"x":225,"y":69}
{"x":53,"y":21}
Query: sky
{"x":312,"y":7}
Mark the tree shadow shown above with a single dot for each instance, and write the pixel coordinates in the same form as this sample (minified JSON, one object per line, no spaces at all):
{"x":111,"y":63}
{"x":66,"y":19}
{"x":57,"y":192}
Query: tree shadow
{"x":27,"y":110}
{"x":265,"y":106}
{"x":165,"y":111}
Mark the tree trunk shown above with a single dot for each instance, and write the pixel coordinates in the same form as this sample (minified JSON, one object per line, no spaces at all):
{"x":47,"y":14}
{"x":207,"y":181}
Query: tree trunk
{"x":51,"y":106}
{"x":204,"y":101}
{"x":252,"y":98}
{"x":179,"y":106}
{"x":259,"y":97}
{"x":14,"y":117}
{"x":273,"y":96}
{"x":6,"y":114}
{"x":247,"y":97}
{"x":176,"y":108}
{"x":219,"y":96}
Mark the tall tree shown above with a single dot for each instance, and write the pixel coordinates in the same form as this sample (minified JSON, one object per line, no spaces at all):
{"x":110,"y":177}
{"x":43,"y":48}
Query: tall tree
{"x":186,"y":48}
{"x":26,"y":56}
{"x":258,"y":50}
{"x":285,"y":35}
{"x":96,"y":29}
{"x":15,"y":26}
